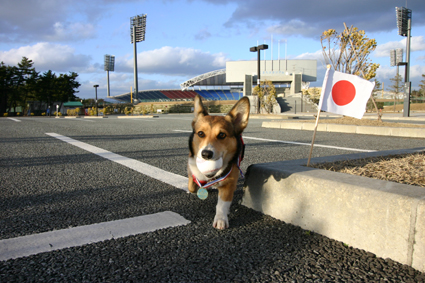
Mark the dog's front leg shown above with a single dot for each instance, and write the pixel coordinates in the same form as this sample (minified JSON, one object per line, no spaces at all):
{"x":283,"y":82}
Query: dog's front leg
{"x":221,"y":220}
{"x":225,"y":197}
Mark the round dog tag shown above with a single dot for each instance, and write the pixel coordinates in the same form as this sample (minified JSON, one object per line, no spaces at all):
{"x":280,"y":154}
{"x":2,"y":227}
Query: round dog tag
{"x":202,"y":193}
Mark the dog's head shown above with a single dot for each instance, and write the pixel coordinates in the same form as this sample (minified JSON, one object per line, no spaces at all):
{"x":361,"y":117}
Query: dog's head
{"x":216,"y":137}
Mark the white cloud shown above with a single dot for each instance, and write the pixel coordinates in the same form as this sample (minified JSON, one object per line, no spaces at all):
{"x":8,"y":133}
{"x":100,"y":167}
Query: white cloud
{"x":294,"y":27}
{"x":47,"y":56}
{"x":71,"y":32}
{"x":174,"y":61}
{"x":417,"y":43}
{"x":314,"y":56}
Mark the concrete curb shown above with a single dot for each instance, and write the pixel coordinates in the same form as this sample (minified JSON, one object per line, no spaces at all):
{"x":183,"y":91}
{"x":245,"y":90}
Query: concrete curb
{"x":353,"y":129}
{"x":95,"y":117}
{"x":385,"y":218}
{"x":137,"y":117}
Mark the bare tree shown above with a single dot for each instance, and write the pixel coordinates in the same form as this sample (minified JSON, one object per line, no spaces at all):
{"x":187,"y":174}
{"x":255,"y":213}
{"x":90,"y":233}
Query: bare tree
{"x":348,"y":52}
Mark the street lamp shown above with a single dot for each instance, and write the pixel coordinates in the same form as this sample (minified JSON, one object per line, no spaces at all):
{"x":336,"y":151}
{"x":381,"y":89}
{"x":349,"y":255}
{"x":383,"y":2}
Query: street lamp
{"x":95,"y":87}
{"x":138,"y":30}
{"x":257,"y":49}
{"x":404,"y":24}
{"x":109,"y":66}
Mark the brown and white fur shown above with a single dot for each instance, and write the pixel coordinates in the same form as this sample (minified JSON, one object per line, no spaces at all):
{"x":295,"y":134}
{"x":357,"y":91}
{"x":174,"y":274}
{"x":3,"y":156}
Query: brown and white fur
{"x":214,"y":137}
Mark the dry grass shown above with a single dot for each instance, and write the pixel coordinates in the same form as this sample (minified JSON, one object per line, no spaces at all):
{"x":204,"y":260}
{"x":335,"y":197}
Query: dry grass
{"x":362,"y":122}
{"x":406,"y":168}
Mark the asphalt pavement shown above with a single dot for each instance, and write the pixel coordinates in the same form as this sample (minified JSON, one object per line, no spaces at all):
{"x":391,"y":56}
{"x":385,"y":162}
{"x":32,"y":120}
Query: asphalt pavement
{"x":48,"y":184}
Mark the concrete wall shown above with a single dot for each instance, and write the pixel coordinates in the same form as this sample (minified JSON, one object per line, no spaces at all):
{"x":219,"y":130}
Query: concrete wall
{"x":385,"y":218}
{"x":236,"y":70}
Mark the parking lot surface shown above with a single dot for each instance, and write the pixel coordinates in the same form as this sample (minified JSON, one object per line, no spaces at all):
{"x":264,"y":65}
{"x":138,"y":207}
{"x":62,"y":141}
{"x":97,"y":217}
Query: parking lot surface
{"x":107,"y":170}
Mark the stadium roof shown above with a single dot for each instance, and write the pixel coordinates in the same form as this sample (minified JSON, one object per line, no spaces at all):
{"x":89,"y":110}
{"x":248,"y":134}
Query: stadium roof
{"x":214,"y":78}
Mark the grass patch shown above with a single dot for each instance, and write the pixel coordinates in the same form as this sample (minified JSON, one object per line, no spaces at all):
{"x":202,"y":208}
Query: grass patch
{"x":404,"y":168}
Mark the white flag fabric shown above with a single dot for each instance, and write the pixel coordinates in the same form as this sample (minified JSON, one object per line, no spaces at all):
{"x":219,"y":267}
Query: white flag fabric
{"x":345,"y":94}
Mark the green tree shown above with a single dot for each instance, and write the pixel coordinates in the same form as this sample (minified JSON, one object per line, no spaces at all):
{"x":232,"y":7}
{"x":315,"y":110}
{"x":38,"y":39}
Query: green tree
{"x":20,"y":84}
{"x":266,"y":93}
{"x":10,"y":79}
{"x":28,"y":77}
{"x":67,"y":86}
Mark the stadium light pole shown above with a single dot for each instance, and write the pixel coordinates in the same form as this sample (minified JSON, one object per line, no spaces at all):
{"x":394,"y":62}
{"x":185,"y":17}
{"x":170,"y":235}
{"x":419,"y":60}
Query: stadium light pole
{"x":404,"y":24}
{"x":95,"y":87}
{"x":138,"y":30}
{"x":258,"y":49}
{"x":109,"y":66}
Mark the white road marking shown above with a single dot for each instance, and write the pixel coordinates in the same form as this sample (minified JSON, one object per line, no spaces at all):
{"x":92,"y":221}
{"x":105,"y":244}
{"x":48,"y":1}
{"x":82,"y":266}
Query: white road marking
{"x":297,"y":143}
{"x":82,"y":235}
{"x":13,"y":119}
{"x":146,"y":169}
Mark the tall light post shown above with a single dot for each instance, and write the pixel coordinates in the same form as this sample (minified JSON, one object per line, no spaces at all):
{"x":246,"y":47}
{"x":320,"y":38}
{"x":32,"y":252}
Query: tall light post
{"x":258,"y":49}
{"x":396,"y":59}
{"x":109,"y":66}
{"x":138,"y":30}
{"x":95,"y":87}
{"x":404,"y":24}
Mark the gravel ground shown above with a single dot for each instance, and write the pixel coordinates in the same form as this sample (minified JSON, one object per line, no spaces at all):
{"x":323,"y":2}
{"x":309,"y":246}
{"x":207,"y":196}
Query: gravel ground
{"x":47,"y":185}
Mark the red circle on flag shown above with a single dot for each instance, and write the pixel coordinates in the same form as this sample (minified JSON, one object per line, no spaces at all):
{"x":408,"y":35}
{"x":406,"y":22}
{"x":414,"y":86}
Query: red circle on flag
{"x":343,"y":92}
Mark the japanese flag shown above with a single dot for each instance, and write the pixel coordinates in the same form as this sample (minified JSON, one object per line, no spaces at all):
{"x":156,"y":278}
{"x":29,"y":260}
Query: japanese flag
{"x":345,"y":94}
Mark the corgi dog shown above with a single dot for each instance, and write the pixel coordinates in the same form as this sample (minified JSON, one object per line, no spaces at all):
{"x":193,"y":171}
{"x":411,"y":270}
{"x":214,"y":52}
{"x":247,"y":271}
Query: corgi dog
{"x":215,"y":151}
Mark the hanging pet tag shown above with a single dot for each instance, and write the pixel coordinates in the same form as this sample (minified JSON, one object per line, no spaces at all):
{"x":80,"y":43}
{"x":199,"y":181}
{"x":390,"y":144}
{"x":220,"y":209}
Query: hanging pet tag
{"x":202,"y":193}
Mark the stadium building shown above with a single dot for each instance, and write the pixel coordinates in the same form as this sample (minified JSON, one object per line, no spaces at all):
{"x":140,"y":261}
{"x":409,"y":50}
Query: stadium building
{"x":237,"y":80}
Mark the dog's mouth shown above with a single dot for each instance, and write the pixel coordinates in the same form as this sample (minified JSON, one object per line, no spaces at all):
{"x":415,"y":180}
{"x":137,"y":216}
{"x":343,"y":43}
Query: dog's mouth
{"x":209,"y":167}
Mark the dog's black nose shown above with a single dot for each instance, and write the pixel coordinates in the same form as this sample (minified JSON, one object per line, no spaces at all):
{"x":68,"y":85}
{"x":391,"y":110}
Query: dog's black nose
{"x":207,"y":154}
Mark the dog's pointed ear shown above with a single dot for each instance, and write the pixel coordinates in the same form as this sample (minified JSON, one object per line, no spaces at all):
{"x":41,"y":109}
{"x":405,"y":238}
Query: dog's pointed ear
{"x":199,"y":108}
{"x":239,"y":115}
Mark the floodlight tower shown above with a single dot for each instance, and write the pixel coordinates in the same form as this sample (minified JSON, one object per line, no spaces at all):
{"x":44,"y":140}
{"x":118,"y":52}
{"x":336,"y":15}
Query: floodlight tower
{"x":396,"y":59}
{"x":109,"y":66}
{"x":138,"y":30}
{"x":404,"y":24}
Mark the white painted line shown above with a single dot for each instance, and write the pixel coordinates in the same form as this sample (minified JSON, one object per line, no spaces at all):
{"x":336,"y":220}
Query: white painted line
{"x":13,"y":119}
{"x":297,"y":143}
{"x":175,"y":180}
{"x":82,"y":235}
{"x":316,"y":145}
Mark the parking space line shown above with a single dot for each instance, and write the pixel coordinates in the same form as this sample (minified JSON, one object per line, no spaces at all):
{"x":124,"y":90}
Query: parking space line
{"x":175,"y":180}
{"x":13,"y":119}
{"x":88,"y":234}
{"x":296,"y":143}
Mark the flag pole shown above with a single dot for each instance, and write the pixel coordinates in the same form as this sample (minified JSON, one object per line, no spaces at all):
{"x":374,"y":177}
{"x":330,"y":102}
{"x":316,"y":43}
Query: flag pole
{"x":318,"y":114}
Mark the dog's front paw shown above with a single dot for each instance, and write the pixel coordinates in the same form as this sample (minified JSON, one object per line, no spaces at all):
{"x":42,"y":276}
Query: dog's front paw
{"x":221,"y":222}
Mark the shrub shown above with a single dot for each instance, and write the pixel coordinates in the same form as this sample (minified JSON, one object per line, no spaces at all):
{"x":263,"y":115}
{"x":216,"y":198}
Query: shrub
{"x":128,"y":110}
{"x":5,"y":114}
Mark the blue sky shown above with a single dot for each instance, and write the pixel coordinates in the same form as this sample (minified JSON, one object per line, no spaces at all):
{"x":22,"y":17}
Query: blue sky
{"x":185,"y":38}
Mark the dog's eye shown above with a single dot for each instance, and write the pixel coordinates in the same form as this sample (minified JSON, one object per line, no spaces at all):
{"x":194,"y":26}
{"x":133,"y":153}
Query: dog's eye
{"x":201,"y":134}
{"x":221,"y":136}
